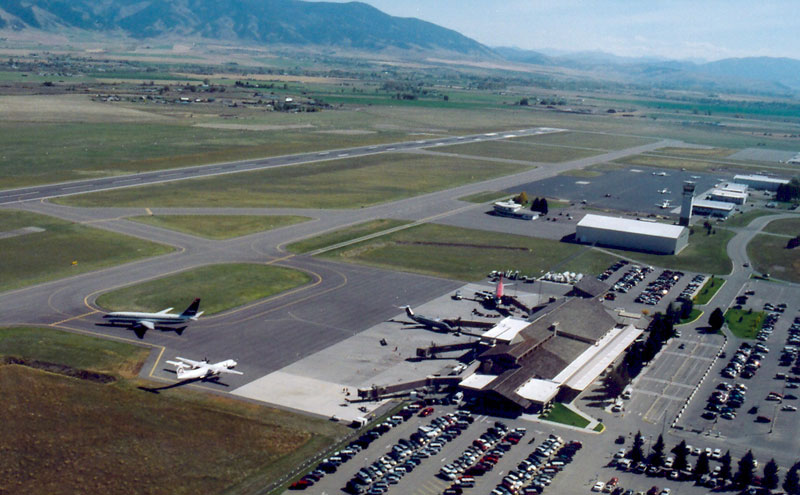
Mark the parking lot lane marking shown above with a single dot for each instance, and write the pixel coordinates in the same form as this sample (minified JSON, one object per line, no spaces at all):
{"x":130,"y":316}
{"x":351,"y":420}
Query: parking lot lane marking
{"x":688,"y":355}
{"x":666,"y":382}
{"x":668,"y":397}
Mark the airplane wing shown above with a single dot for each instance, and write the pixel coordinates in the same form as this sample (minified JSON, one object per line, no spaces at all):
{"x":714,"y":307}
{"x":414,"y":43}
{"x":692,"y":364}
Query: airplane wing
{"x":147,"y":324}
{"x":192,"y":363}
{"x":226,"y":370}
{"x":163,"y":311}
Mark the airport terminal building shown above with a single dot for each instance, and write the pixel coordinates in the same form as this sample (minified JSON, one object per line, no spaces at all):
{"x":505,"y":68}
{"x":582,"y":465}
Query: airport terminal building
{"x":528,"y":365}
{"x":637,"y":235}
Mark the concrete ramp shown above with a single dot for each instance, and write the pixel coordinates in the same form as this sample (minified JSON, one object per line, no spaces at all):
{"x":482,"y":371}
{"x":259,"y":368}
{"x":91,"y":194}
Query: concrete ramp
{"x":305,"y":394}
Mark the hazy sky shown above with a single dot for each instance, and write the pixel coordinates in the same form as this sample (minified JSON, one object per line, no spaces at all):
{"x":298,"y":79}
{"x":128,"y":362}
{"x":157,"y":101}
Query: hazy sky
{"x":707,"y":29}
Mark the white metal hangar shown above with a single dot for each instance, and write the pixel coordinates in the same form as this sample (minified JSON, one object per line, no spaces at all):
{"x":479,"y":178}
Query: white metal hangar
{"x":632,"y":234}
{"x":760,"y":181}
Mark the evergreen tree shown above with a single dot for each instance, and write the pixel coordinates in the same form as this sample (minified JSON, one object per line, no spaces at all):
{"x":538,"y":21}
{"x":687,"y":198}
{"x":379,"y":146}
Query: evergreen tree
{"x":681,"y":453}
{"x":544,"y":206}
{"x":702,"y":468}
{"x":725,"y":466}
{"x":657,"y":455}
{"x":744,"y":476}
{"x":792,"y":481}
{"x":536,"y":205}
{"x":716,"y":320}
{"x":636,"y":455}
{"x":771,"y":478}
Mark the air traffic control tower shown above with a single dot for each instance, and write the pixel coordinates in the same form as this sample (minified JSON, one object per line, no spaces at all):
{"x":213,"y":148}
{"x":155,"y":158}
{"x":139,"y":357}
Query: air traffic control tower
{"x":686,"y":203}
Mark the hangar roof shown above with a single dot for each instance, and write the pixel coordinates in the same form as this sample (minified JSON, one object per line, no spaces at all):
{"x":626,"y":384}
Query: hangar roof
{"x":713,"y":205}
{"x":760,"y":178}
{"x":631,"y":226}
{"x":723,"y":193}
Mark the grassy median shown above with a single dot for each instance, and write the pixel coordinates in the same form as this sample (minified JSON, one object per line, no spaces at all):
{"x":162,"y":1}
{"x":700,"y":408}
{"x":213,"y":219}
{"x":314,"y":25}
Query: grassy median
{"x":220,"y":227}
{"x":468,"y":254}
{"x":344,"y":183}
{"x":221,"y":287}
{"x":57,"y":249}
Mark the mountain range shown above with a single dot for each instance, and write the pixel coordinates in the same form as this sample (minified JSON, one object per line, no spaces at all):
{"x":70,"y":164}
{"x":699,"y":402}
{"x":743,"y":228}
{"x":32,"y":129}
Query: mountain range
{"x":358,"y":26}
{"x":352,"y":25}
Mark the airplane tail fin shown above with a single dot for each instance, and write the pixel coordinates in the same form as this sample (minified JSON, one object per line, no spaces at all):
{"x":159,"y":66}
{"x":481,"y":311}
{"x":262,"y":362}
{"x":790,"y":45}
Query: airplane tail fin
{"x":191,"y":311}
{"x":409,"y":312}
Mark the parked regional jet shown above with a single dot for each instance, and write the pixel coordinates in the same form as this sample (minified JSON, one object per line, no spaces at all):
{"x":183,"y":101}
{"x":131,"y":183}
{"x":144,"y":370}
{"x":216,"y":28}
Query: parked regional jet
{"x":664,"y":191}
{"x":432,"y":323}
{"x":201,"y":370}
{"x":152,"y":320}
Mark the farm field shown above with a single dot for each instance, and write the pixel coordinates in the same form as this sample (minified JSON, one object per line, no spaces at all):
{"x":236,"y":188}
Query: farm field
{"x":221,"y":287}
{"x":56,"y":249}
{"x":343,"y":183}
{"x":220,"y":227}
{"x":129,"y":440}
{"x":468,"y":254}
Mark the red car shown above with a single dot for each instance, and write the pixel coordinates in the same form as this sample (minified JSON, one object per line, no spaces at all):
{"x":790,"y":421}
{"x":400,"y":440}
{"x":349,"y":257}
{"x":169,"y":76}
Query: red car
{"x":300,"y":485}
{"x":426,"y":412}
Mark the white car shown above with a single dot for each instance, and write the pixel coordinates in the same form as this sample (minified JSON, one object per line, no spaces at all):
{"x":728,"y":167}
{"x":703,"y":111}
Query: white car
{"x":598,"y":487}
{"x":788,"y":408}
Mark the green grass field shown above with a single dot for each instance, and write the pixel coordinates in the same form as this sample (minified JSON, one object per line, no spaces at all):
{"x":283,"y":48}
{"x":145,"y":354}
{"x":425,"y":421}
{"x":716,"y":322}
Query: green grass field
{"x":744,"y":324}
{"x":220,"y":226}
{"x":98,"y":149}
{"x":343,"y":235}
{"x":467,"y":254}
{"x":704,"y":254}
{"x":514,"y":150}
{"x":221,"y":287}
{"x":768,"y":254}
{"x":744,"y":219}
{"x":344,"y":183}
{"x":48,"y":255}
{"x":785,"y":226}
{"x":599,"y":141}
{"x":561,"y":414}
{"x":710,"y":288}
{"x":117,"y":438}
{"x":73,"y":350}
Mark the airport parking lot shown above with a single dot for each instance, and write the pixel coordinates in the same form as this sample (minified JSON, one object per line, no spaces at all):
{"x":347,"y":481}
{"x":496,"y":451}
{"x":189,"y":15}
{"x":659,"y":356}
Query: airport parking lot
{"x":425,"y":478}
{"x":776,"y":437}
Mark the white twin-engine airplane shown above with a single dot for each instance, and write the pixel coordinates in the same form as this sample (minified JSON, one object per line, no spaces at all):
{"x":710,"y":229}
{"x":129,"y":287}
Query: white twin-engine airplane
{"x":188,"y":369}
{"x":152,"y":320}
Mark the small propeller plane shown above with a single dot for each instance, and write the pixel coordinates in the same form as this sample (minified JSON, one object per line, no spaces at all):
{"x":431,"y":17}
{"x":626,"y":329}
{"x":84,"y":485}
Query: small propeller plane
{"x":188,"y":369}
{"x":150,"y":321}
{"x":664,"y":204}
